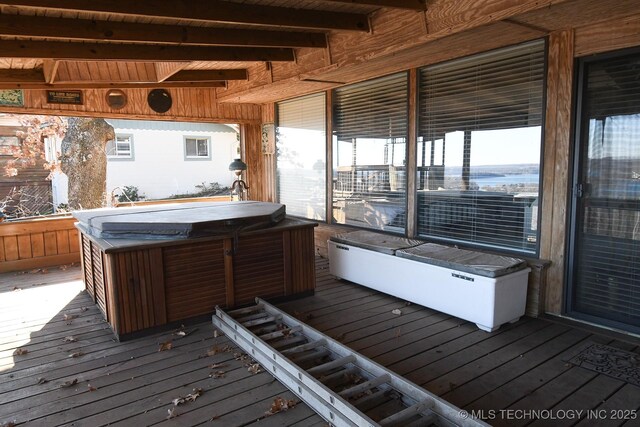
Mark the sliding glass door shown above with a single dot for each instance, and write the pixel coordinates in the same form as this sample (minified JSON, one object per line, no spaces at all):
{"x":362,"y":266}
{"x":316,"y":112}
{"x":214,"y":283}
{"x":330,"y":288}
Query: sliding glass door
{"x":605,"y":273}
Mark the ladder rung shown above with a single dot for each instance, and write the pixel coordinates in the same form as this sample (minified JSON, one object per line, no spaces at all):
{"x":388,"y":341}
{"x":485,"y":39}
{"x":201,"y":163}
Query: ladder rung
{"x":316,"y":370}
{"x":304,"y":347}
{"x":405,"y":414}
{"x":245,"y":310}
{"x":266,"y":329}
{"x":427,"y":420}
{"x":258,"y":322}
{"x":252,"y":317}
{"x":311,"y":356}
{"x":370,"y":401}
{"x":333,"y":380}
{"x":288,"y":341}
{"x":365,"y":386}
{"x":280,"y":333}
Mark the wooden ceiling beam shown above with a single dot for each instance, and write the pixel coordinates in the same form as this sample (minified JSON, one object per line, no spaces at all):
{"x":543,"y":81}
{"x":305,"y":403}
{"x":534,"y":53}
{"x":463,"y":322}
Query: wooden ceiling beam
{"x":138,"y":52}
{"x":91,"y":30}
{"x":208,"y":75}
{"x":208,"y":10}
{"x":35,"y":79}
{"x":398,"y":4}
{"x":50,"y":70}
{"x":164,"y":70}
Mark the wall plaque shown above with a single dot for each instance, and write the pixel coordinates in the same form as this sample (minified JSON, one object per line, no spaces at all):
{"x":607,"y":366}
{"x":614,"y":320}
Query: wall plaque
{"x":64,"y":97}
{"x":12,"y":97}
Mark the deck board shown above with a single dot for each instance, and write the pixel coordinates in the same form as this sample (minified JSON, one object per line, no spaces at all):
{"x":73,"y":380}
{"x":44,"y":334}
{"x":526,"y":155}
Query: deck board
{"x":520,"y":366}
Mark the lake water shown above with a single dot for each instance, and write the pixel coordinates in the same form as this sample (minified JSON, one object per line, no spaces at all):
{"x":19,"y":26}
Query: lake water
{"x":505,"y":180}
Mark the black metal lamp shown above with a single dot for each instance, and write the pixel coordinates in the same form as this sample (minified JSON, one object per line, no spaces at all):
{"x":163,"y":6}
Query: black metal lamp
{"x":239,"y":187}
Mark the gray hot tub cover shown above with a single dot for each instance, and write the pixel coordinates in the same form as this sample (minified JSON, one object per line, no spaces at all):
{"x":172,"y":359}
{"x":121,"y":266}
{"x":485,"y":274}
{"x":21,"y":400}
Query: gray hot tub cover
{"x":479,"y":263}
{"x":180,"y":220}
{"x":375,"y":241}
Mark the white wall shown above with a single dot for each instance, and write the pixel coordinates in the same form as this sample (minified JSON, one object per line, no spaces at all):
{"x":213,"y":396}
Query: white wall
{"x":159,"y":168}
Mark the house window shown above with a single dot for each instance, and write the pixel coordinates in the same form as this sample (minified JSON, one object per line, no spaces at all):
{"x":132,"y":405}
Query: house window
{"x":369,"y":153}
{"x":479,"y":148}
{"x":120,"y":148}
{"x":301,"y":156}
{"x":197,"y":148}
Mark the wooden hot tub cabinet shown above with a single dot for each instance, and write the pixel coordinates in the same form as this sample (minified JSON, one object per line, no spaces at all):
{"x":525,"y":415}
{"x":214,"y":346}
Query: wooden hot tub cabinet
{"x":144,"y":284}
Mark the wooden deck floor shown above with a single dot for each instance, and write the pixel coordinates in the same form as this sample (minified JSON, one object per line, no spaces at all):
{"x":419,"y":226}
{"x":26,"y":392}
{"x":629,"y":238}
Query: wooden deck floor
{"x":519,"y":367}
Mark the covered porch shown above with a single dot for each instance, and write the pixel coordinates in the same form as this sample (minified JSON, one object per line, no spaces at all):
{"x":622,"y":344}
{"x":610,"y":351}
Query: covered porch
{"x":73,"y":372}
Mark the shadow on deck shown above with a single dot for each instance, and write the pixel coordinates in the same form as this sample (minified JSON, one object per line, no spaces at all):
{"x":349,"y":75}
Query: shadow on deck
{"x":519,"y":367}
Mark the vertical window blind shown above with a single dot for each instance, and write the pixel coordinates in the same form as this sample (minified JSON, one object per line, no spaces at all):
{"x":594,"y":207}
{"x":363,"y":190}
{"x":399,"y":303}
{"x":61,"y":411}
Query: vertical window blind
{"x":369,"y":153}
{"x":479,"y":148}
{"x":301,"y":156}
{"x":606,"y":275}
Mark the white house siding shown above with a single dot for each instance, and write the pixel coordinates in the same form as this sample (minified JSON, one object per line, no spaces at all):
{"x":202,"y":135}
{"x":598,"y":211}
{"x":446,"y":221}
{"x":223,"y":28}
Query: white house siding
{"x":159,"y":168}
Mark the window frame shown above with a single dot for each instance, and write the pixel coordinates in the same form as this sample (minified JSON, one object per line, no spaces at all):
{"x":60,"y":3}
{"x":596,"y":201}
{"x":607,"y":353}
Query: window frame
{"x":186,"y":138}
{"x":121,"y":157}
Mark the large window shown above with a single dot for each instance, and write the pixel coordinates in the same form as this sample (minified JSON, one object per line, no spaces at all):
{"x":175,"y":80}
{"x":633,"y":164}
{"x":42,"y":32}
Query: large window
{"x":197,"y":148}
{"x":369,"y":153}
{"x":121,"y":148}
{"x":479,"y":148}
{"x":301,"y":156}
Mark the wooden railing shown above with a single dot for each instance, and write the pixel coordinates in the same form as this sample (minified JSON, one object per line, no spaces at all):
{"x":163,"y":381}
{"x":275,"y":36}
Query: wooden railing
{"x":53,"y":240}
{"x":38,"y":242}
{"x":225,"y":198}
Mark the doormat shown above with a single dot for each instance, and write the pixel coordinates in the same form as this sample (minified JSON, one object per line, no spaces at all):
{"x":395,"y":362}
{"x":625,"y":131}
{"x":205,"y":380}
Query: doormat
{"x":610,"y":361}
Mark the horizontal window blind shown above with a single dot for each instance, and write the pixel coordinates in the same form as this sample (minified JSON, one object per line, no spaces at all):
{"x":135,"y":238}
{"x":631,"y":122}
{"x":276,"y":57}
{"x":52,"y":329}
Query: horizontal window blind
{"x":369,"y":153}
{"x":606,"y":281}
{"x":479,"y":148}
{"x":301,"y":156}
{"x":372,"y":109}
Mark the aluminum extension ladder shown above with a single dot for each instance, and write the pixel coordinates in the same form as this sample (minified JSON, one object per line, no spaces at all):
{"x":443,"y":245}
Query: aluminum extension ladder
{"x":340,"y":385}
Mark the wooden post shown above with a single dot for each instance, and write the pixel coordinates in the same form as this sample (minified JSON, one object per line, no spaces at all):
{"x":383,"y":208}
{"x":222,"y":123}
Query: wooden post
{"x":329,"y":156}
{"x":557,"y":146}
{"x":412,"y":144}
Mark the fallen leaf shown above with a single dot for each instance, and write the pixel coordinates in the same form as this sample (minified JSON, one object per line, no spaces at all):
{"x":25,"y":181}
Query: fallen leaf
{"x":191,"y":397}
{"x":8,"y":424}
{"x":217,"y":374}
{"x":167,"y":345}
{"x":68,"y":384}
{"x":397,"y":312}
{"x":254,"y":369}
{"x":68,"y":317}
{"x":20,"y":351}
{"x":42,"y":380}
{"x":215,"y":417}
{"x":213,"y":351}
{"x":215,"y":333}
{"x":407,"y":303}
{"x":280,"y":405}
{"x":196,"y":393}
{"x":83,"y":309}
{"x":172,"y":413}
{"x":15,"y":288}
{"x":181,"y":333}
{"x":70,"y":338}
{"x":76,"y":354}
{"x":217,"y":366}
{"x":91,"y":388}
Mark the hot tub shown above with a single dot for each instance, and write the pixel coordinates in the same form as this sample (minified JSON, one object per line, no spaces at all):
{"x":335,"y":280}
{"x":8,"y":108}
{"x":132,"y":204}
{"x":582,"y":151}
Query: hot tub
{"x":148,"y":268}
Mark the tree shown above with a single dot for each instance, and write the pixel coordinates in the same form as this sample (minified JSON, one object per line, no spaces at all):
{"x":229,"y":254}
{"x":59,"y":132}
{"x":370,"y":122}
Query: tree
{"x":31,"y":149}
{"x":82,"y":156}
{"x":84,"y":161}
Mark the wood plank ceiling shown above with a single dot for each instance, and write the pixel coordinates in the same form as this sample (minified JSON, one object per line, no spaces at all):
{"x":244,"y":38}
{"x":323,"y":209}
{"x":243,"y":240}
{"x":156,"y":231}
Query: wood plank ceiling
{"x":154,"y":43}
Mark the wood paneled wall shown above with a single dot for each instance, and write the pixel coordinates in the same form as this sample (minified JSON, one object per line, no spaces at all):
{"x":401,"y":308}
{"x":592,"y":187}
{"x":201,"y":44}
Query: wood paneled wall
{"x":189,"y":104}
{"x":38,"y":243}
